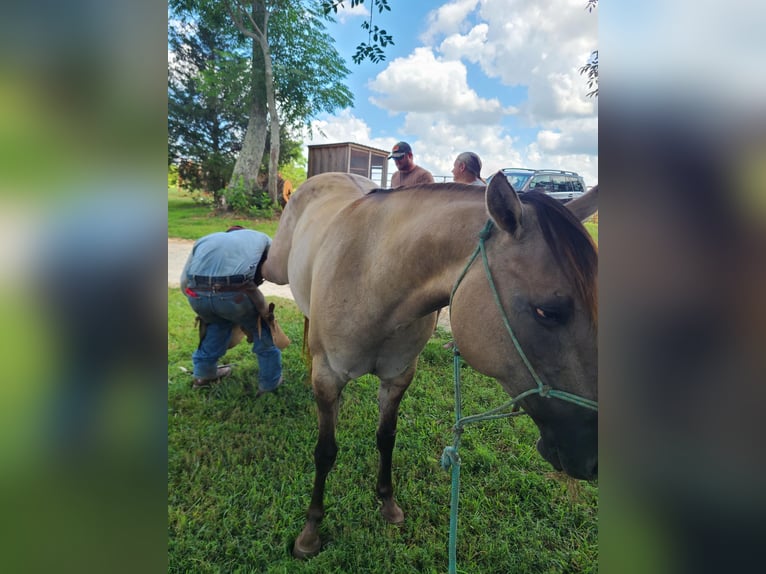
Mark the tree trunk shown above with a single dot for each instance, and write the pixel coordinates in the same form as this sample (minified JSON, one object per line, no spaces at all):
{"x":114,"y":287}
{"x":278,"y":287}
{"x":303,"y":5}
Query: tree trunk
{"x":274,"y":117}
{"x":250,"y":157}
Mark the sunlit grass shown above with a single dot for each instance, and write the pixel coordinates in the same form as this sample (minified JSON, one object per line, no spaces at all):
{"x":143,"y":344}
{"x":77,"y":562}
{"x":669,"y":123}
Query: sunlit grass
{"x":240,"y":472}
{"x":592,"y":229}
{"x":190,"y":220}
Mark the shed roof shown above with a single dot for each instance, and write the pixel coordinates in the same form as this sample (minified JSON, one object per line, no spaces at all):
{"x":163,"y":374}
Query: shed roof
{"x":347,"y":144}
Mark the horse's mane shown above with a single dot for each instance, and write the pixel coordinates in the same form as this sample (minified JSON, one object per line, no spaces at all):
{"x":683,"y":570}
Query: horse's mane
{"x":571,"y":245}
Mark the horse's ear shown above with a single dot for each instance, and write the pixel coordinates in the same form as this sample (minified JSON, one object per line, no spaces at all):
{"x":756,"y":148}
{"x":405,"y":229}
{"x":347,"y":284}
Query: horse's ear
{"x":585,"y":205}
{"x":503,"y":205}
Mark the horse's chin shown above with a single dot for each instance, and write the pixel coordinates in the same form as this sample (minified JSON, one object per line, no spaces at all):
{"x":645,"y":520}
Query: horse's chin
{"x":551,"y":454}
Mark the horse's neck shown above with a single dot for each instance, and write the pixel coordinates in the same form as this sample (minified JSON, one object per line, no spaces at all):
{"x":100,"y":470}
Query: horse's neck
{"x":438,"y":240}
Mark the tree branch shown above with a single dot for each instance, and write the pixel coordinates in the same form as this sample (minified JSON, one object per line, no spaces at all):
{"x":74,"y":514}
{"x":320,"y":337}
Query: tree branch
{"x":255,"y":34}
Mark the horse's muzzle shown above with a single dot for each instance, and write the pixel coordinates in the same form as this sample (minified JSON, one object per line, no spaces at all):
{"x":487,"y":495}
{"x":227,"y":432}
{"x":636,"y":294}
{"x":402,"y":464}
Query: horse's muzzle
{"x":580,"y":468}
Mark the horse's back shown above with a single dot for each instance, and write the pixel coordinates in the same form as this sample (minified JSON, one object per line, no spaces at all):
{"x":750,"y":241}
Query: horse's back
{"x":310,"y":213}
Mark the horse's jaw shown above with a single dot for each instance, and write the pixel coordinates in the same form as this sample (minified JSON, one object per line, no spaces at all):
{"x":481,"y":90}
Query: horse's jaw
{"x":581,"y":466}
{"x":549,"y":454}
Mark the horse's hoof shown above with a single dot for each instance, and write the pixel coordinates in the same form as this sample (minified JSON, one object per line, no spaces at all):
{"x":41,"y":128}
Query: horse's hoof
{"x":392,"y":513}
{"x":306,"y":546}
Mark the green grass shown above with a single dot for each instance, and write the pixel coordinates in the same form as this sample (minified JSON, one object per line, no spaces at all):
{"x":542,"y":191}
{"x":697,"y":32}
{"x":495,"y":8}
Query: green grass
{"x":240,"y":473}
{"x":592,"y":229}
{"x":189,"y":220}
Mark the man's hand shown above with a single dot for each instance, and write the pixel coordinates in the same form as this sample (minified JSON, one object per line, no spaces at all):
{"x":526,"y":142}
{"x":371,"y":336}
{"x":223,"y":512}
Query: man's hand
{"x":260,"y":302}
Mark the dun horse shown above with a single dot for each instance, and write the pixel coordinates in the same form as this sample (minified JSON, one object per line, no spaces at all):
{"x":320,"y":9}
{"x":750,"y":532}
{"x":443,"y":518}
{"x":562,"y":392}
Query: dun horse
{"x":371,"y":267}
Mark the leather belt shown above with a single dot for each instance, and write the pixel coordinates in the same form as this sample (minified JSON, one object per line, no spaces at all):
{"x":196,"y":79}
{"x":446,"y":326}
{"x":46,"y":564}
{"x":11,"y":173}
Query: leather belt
{"x":218,"y":287}
{"x":229,"y":280}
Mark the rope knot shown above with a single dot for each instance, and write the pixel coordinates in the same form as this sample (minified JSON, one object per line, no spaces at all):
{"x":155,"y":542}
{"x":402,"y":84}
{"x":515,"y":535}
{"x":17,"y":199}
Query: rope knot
{"x":484,"y":234}
{"x":449,"y":457}
{"x":545,"y":391}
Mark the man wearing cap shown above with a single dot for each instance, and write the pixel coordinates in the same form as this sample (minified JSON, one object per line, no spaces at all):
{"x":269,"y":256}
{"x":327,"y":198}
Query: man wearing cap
{"x":220,"y":281}
{"x":408,"y":173}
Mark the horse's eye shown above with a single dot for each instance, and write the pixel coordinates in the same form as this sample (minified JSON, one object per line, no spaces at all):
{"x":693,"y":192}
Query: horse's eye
{"x":549,"y":315}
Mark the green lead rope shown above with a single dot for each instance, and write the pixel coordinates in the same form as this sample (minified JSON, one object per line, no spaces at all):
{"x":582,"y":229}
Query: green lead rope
{"x":450,"y":456}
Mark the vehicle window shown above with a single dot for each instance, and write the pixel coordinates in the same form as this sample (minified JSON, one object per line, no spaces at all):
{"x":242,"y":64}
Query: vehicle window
{"x":541,"y":183}
{"x":577,"y":185}
{"x":561,"y":183}
{"x":517,"y":180}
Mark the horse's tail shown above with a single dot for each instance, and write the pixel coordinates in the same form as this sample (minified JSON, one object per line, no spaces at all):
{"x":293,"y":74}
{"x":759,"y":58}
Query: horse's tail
{"x":306,"y":351}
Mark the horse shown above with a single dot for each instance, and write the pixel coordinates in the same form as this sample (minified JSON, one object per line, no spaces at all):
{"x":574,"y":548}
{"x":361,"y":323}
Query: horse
{"x":370,"y":268}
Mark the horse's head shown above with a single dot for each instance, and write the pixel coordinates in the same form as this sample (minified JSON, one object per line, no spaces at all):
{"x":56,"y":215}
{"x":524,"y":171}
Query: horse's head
{"x":542,"y":278}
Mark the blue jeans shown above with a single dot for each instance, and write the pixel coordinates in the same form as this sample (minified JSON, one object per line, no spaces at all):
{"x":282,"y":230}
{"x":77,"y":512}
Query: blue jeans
{"x":222,"y":311}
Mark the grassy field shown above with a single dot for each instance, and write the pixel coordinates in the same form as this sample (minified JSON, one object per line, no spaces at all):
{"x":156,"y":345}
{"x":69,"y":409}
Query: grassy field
{"x":240,"y":470}
{"x":592,"y":229}
{"x":189,"y":220}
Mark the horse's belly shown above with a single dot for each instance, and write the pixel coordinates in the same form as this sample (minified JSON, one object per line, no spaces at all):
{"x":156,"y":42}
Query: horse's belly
{"x":387,"y":351}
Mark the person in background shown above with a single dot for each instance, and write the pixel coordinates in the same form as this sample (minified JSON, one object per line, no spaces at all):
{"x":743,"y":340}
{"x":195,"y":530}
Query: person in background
{"x":407,"y":172}
{"x":220,"y":281}
{"x":467,"y":169}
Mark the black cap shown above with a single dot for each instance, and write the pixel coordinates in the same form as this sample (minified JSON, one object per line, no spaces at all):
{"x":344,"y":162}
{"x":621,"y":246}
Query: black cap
{"x":400,"y":150}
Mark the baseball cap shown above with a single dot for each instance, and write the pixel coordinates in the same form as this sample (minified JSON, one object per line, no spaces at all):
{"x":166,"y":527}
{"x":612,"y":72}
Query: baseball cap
{"x":400,"y":149}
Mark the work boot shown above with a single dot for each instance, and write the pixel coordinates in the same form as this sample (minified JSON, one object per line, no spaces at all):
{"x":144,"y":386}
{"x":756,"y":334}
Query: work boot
{"x":263,"y":392}
{"x":202,"y":382}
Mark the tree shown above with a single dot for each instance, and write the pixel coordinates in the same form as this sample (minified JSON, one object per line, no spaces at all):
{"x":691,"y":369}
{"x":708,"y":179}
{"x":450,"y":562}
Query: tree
{"x":377,"y":38}
{"x":590,"y":69}
{"x":302,"y":74}
{"x":307,"y":73}
{"x":205,"y":122}
{"x":252,"y":20}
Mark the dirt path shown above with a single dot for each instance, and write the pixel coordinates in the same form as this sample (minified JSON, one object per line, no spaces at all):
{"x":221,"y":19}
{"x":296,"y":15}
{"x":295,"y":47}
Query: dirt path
{"x":178,"y":253}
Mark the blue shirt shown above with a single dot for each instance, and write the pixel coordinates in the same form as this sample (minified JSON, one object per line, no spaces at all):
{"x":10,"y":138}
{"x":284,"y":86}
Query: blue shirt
{"x":224,"y":254}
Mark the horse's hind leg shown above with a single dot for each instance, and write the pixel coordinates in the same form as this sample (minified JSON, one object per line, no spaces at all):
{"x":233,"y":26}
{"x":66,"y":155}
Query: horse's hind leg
{"x":326,"y":394}
{"x":389,"y":396}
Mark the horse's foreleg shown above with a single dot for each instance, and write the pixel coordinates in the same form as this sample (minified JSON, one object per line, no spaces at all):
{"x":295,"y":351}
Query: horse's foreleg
{"x":389,"y":396}
{"x":326,"y":395}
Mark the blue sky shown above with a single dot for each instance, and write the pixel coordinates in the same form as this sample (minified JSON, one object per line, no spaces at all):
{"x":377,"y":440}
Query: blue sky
{"x":497,"y":77}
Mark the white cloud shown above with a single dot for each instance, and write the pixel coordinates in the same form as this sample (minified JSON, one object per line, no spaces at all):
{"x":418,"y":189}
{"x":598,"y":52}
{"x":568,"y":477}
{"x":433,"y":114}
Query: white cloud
{"x":346,"y":12}
{"x":558,"y":96}
{"x":343,"y":127}
{"x":569,"y":136}
{"x":468,"y":46}
{"x":540,"y":45}
{"x":448,"y":19}
{"x":421,"y":83}
{"x":568,"y":144}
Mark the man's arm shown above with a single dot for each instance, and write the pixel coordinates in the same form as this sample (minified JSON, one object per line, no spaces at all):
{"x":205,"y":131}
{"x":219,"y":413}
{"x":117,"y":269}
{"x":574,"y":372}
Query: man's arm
{"x":259,"y":301}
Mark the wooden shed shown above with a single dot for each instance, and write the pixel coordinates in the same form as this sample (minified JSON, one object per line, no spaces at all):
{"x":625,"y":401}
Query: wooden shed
{"x":350,"y":158}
